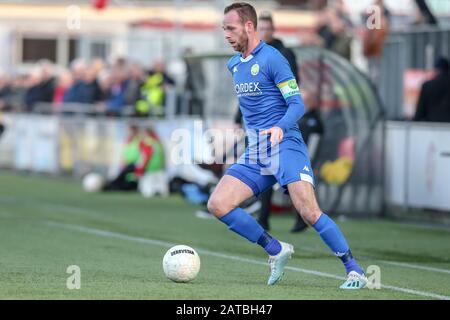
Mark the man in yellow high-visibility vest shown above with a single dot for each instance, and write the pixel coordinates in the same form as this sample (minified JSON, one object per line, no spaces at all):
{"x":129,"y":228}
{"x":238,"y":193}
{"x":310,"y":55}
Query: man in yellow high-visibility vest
{"x":153,"y":91}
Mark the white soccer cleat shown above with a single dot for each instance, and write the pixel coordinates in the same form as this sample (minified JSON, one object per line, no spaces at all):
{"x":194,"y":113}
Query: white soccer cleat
{"x":354,"y":281}
{"x":278,"y":262}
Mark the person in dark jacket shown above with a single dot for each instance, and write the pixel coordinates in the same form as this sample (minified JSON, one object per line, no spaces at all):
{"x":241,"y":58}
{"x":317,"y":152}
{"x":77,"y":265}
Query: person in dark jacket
{"x":266,"y":30}
{"x":434,"y":99}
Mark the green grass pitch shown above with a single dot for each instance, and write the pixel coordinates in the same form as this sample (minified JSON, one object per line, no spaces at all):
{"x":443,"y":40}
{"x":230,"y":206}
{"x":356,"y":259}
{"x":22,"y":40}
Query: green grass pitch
{"x":119,"y":240}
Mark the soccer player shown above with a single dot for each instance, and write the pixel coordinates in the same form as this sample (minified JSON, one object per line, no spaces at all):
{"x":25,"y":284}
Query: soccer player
{"x":271,"y":105}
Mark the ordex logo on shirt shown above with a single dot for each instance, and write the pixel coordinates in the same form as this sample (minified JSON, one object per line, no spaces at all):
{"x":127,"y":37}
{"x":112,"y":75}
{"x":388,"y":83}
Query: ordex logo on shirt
{"x":248,"y":89}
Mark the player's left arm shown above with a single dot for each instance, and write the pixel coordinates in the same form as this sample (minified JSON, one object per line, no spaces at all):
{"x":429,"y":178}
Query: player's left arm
{"x":283,"y":77}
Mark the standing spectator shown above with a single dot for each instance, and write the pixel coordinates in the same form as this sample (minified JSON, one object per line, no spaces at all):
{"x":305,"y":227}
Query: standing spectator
{"x":266,"y":30}
{"x":135,"y":82}
{"x":194,"y":83}
{"x":373,"y":39}
{"x":434,"y":99}
{"x":5,"y":92}
{"x":18,"y":89}
{"x":154,"y":91}
{"x":33,"y":89}
{"x":116,"y":98}
{"x":92,"y":88}
{"x":47,"y":84}
{"x":77,"y":92}
{"x":333,"y":30}
{"x":2,"y":126}
{"x":343,"y":13}
{"x":104,"y":82}
{"x":85,"y":88}
{"x":40,"y":85}
{"x":64,"y":82}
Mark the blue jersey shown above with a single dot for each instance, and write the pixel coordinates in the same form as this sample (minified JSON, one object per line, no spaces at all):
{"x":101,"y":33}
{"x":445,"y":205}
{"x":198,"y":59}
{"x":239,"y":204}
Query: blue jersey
{"x":269,"y":96}
{"x":265,"y":86}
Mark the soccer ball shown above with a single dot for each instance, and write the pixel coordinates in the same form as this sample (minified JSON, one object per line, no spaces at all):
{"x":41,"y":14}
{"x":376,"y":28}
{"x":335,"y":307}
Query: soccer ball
{"x":181,"y":263}
{"x":93,"y":182}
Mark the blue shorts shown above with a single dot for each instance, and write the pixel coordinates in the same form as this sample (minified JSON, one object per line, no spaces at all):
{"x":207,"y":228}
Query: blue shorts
{"x":288,"y":163}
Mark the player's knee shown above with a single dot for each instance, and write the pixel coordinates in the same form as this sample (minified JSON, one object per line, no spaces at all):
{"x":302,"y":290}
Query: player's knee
{"x":218,"y":206}
{"x":310,"y":214}
{"x":307,"y":207}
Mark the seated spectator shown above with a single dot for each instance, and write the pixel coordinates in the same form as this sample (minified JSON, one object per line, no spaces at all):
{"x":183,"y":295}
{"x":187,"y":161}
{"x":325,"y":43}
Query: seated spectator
{"x":127,"y":179}
{"x":142,"y":154}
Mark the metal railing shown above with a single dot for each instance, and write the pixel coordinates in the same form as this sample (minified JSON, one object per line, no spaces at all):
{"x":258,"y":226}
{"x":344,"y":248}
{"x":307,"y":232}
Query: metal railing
{"x":409,"y":49}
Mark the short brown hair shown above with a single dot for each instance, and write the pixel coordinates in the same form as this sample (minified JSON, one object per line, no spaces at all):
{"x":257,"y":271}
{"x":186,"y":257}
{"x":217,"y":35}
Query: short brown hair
{"x":266,"y":16}
{"x":245,"y":11}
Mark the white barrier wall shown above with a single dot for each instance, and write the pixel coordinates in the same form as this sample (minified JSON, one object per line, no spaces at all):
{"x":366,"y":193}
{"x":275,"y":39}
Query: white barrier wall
{"x":417,"y":157}
{"x":50,"y":144}
{"x":417,"y":165}
{"x":30,"y":143}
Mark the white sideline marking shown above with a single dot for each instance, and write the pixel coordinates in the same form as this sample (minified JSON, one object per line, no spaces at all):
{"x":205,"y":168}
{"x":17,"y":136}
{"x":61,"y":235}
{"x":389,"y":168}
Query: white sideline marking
{"x":50,"y":206}
{"x":394,"y":263}
{"x":415,"y":266}
{"x":97,"y":214}
{"x":115,"y":235}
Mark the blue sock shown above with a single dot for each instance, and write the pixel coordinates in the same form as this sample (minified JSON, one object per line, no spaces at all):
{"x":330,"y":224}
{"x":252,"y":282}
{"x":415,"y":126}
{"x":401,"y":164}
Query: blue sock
{"x":245,"y":225}
{"x":333,"y":237}
{"x":269,"y":243}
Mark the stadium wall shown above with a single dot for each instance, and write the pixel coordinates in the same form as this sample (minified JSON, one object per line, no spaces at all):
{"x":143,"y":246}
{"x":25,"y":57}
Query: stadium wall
{"x":417,"y":155}
{"x":77,"y":145}
{"x":417,"y":175}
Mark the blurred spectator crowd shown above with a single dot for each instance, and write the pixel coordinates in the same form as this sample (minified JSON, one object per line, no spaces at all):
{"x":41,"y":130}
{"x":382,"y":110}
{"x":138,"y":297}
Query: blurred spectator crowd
{"x":119,"y":88}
